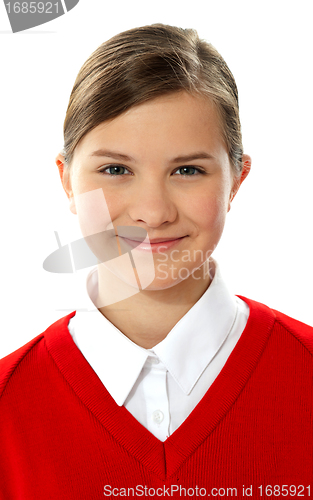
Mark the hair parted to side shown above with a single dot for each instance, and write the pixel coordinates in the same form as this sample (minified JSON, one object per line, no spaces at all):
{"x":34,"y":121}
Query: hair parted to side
{"x":146,"y":62}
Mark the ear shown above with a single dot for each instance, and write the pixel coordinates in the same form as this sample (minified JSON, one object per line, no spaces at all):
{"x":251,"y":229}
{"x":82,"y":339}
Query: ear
{"x":66,"y":180}
{"x":246,"y":167}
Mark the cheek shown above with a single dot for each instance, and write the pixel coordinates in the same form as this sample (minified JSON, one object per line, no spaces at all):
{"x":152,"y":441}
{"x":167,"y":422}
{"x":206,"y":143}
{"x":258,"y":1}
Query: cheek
{"x":96,"y":207}
{"x":117,"y":205}
{"x":209,"y":212}
{"x":93,"y":211}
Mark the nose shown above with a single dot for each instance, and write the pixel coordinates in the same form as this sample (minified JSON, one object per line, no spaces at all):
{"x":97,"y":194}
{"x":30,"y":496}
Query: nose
{"x":153,"y":205}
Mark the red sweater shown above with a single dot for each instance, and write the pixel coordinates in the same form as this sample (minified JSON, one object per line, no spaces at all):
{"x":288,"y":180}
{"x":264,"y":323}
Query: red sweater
{"x":62,"y":436}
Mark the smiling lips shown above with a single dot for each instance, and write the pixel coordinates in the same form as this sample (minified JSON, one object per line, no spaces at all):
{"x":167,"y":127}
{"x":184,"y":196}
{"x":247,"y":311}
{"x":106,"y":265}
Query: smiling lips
{"x":155,"y":245}
{"x":158,"y":240}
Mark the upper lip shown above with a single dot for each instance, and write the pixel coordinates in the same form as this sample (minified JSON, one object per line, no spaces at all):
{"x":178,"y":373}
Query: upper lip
{"x":156,"y":240}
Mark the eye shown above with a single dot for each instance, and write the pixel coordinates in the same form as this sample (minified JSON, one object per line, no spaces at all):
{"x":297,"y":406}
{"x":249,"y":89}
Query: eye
{"x":118,"y":171}
{"x":115,"y":170}
{"x":192,"y":168}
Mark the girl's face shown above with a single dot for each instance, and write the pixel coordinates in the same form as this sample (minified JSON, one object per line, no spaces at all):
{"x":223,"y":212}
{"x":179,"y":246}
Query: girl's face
{"x":170,"y":175}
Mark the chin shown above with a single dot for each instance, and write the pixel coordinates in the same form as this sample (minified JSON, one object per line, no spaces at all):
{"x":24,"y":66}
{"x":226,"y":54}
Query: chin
{"x":158,"y":285}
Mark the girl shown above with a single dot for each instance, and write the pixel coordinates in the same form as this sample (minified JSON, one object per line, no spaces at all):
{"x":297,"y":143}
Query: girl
{"x":172,"y":386}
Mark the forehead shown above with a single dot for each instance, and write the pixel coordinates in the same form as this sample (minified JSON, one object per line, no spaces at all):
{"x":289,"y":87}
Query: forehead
{"x":173,"y":121}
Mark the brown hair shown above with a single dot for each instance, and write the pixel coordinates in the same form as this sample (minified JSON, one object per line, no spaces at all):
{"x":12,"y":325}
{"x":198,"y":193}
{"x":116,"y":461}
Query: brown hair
{"x":146,"y":62}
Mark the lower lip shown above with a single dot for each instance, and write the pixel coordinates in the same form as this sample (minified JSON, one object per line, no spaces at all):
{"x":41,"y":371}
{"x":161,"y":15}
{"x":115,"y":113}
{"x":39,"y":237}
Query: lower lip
{"x":153,"y":247}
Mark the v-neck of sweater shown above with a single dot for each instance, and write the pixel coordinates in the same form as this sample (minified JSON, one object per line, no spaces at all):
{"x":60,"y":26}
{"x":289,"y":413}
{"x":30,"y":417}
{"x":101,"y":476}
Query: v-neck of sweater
{"x":139,"y":442}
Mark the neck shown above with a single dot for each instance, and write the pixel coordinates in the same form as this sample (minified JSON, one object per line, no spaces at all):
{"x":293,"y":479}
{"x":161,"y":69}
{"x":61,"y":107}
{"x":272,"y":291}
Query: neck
{"x":146,"y":317}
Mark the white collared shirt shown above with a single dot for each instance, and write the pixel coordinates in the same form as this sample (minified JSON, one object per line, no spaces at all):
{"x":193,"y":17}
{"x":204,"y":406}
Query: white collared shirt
{"x":161,"y":386}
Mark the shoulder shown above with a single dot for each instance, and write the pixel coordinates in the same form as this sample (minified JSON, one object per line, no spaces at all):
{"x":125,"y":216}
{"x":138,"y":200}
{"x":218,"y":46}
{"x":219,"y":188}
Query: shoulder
{"x":300,"y":331}
{"x":9,"y":363}
{"x":13,"y":361}
{"x":282,"y":323}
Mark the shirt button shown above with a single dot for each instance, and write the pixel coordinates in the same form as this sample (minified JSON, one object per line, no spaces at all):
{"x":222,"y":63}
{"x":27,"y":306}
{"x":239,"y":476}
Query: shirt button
{"x":153,"y":360}
{"x":157,"y":416}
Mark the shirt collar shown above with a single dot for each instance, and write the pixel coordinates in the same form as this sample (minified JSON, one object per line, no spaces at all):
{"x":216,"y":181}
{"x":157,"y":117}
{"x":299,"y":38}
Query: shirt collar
{"x":185,"y":352}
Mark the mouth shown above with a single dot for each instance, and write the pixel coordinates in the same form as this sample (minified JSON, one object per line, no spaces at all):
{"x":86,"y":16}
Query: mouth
{"x":155,"y":245}
{"x":156,"y":240}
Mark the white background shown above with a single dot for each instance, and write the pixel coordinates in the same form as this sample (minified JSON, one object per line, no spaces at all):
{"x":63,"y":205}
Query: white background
{"x":266,"y":250}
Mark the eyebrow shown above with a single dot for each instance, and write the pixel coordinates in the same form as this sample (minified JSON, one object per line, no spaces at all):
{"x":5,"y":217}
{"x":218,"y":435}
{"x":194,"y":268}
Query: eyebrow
{"x":198,"y":155}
